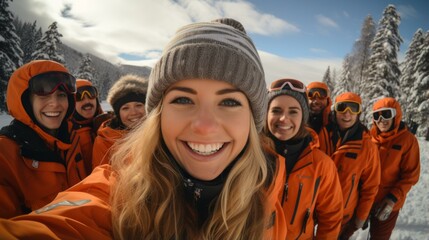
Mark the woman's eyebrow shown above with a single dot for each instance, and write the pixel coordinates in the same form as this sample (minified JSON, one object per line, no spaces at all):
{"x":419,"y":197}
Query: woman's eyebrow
{"x":182,"y":89}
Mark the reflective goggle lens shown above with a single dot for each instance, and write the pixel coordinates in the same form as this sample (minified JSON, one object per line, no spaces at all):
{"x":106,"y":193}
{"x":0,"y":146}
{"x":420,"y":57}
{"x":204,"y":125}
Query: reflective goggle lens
{"x":89,"y":91}
{"x":288,"y":84}
{"x":386,"y":114}
{"x":320,"y":92}
{"x":353,"y":107}
{"x":49,"y":82}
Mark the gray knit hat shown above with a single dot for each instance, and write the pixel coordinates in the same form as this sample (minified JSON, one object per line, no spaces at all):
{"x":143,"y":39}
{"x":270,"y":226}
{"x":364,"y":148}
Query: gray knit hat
{"x":128,"y":88}
{"x":301,"y":97}
{"x":218,"y":50}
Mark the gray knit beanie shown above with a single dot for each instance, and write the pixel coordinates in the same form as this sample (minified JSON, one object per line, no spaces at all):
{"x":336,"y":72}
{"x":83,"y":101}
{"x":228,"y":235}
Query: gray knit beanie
{"x":218,"y":50}
{"x":300,"y":97}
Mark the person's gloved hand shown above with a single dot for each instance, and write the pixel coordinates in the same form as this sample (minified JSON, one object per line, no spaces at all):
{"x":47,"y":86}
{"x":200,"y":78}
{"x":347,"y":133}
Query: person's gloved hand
{"x":384,"y":209}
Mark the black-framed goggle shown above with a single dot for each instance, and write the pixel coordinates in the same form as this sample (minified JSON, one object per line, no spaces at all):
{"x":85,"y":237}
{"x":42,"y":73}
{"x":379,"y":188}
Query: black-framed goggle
{"x":47,"y":83}
{"x":385,"y":113}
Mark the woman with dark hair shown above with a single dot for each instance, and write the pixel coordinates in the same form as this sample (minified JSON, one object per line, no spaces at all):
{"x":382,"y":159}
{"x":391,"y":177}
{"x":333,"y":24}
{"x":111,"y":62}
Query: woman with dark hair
{"x":39,"y":157}
{"x":312,"y":192}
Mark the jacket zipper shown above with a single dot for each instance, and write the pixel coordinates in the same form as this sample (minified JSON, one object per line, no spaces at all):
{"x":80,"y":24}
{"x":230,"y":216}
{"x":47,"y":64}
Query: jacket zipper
{"x":304,"y":223}
{"x":298,"y":197}
{"x":351,"y":190}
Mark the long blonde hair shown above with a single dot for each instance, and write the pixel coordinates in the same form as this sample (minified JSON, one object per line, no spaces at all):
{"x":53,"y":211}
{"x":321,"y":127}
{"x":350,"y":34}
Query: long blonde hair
{"x":148,"y":199}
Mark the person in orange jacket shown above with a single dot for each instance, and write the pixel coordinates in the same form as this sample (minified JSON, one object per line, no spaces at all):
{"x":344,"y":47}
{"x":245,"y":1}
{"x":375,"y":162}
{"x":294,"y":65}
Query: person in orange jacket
{"x":39,"y":157}
{"x":196,"y":167}
{"x":320,"y":102}
{"x":127,"y":98}
{"x":400,"y":165}
{"x":87,"y":108}
{"x":349,"y":144}
{"x":312,"y":191}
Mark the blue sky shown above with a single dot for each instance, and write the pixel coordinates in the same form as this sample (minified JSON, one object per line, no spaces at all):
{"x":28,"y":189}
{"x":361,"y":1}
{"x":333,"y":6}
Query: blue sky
{"x":298,"y":39}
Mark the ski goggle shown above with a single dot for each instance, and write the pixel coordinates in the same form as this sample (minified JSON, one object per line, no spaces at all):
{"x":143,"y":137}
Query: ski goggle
{"x":317,"y":92}
{"x":288,"y":84}
{"x":89,"y":91}
{"x":47,"y":83}
{"x":353,"y":107}
{"x":385,"y":113}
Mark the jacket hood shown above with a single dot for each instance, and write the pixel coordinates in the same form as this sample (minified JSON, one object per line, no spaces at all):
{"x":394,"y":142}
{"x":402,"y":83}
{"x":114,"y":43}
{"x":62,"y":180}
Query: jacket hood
{"x":387,"y":102}
{"x":18,"y":95}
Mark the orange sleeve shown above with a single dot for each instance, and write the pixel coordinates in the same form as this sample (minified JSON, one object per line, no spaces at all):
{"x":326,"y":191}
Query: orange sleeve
{"x":410,"y":169}
{"x":81,"y":212}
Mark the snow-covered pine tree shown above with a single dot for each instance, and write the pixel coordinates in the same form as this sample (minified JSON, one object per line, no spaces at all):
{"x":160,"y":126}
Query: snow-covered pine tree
{"x":327,"y":79}
{"x":86,"y":70}
{"x":360,"y":55}
{"x":345,"y":81}
{"x":10,"y":51}
{"x":383,"y":70}
{"x":29,"y":35}
{"x":47,"y":46}
{"x":421,"y":93}
{"x":408,"y":79}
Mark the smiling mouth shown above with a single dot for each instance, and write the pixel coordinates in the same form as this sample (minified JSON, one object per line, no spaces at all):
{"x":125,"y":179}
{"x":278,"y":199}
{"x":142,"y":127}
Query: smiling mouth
{"x":205,"y":149}
{"x":52,"y":114}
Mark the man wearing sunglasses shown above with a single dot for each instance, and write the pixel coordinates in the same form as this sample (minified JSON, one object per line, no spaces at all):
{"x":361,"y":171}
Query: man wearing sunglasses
{"x":320,"y":105}
{"x":39,"y":157}
{"x":400,"y":165}
{"x":87,"y":108}
{"x":349,"y":144}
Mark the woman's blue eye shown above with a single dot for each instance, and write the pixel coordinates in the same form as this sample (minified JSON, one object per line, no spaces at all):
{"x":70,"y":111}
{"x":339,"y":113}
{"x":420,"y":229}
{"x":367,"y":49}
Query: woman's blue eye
{"x":182,"y":100}
{"x":231,"y":102}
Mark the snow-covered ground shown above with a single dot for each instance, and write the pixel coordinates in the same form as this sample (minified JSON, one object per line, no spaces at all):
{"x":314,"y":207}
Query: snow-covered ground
{"x":413,"y":222}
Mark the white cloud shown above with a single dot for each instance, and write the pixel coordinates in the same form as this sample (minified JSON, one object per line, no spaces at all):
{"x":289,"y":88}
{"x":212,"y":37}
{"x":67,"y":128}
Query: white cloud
{"x":407,"y":11}
{"x":325,"y":21}
{"x":306,"y":70}
{"x":318,"y":50}
{"x":142,"y":28}
{"x":109,"y":28}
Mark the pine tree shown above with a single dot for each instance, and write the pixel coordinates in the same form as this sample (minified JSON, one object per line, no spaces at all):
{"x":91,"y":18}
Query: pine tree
{"x":86,"y":70}
{"x":10,"y":51}
{"x":421,"y":94}
{"x":327,"y":79}
{"x":408,"y":79}
{"x":360,"y":55}
{"x":383,"y":71}
{"x":47,"y":47}
{"x":29,"y":35}
{"x":344,"y":83}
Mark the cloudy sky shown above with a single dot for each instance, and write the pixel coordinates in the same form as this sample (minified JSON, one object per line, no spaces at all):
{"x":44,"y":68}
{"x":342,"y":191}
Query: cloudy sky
{"x":295,"y":38}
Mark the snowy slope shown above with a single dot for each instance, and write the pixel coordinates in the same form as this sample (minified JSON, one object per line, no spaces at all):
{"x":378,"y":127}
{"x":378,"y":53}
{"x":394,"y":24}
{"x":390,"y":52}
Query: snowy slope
{"x":413,"y":222}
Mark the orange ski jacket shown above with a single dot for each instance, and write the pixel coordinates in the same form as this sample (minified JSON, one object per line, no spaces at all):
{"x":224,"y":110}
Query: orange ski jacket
{"x":34,"y":166}
{"x":399,"y":156}
{"x":358,"y":165}
{"x":312,"y":195}
{"x":84,"y":212}
{"x":106,"y":138}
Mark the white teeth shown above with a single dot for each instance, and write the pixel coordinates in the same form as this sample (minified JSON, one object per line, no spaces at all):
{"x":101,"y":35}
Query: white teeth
{"x":285,"y":128}
{"x":205,"y":149}
{"x":52,"y":114}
